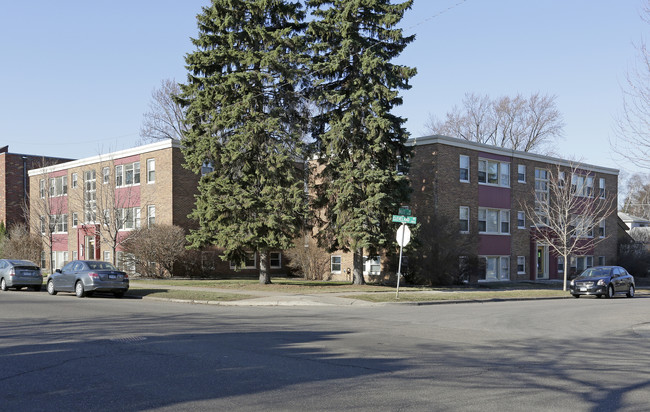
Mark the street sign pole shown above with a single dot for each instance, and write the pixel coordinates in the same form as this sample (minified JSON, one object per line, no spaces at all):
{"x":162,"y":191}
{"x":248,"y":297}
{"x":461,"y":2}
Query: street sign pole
{"x":399,"y":267}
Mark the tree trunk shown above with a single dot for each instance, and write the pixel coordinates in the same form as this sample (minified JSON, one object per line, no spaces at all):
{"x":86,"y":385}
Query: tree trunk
{"x":265,"y":277}
{"x":566,"y":270}
{"x":357,"y":267}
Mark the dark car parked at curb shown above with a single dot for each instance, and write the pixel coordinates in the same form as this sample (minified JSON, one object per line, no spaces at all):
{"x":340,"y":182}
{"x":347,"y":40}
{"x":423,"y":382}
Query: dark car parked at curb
{"x":603,"y":281}
{"x":18,"y":274}
{"x":85,"y":277}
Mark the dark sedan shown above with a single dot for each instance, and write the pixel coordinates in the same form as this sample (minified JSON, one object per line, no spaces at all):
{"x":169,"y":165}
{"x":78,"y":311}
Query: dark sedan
{"x":18,"y":274}
{"x":603,"y":281}
{"x":84,"y":277}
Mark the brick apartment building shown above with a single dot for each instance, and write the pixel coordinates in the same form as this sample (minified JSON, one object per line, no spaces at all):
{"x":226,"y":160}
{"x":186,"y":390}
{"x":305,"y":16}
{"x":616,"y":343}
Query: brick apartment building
{"x":14,"y":183}
{"x":451,"y":177}
{"x":144,"y":185}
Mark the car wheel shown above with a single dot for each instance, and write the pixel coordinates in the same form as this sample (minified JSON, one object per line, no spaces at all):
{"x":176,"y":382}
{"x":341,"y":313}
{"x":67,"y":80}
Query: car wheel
{"x":118,"y":295}
{"x":36,"y":288}
{"x":3,"y":285}
{"x":610,"y":291}
{"x":79,"y":289}
{"x":576,"y":296}
{"x":630,"y":293}
{"x":50,"y":287}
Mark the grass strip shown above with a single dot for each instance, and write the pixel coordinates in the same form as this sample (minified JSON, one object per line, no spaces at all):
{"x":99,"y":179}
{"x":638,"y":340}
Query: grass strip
{"x":186,"y":294}
{"x":442,"y":296}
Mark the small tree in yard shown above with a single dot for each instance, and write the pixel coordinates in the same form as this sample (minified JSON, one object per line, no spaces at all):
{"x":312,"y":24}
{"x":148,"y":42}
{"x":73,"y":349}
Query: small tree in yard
{"x":308,"y":259}
{"x":21,"y":244}
{"x":155,"y":249}
{"x":566,"y":214}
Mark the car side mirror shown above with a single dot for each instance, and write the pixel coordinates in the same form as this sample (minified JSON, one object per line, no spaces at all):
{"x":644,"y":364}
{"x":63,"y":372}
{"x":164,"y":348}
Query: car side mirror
{"x":58,"y":271}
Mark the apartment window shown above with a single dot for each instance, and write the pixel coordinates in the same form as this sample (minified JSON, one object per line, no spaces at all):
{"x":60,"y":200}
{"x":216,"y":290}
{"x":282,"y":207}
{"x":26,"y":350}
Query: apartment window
{"x":464,"y":168}
{"x":582,"y":185}
{"x":560,"y":264}
{"x":250,"y":262}
{"x":541,"y":193}
{"x":75,"y":255}
{"x":464,"y":219}
{"x":75,"y":219}
{"x":128,"y":218}
{"x":601,"y":228}
{"x":561,"y":179}
{"x":42,"y":219}
{"x":601,"y":260}
{"x":493,"y":172}
{"x":58,"y":186}
{"x":521,"y":220}
{"x":74,"y":180}
{"x":583,"y":226}
{"x":275,"y":259}
{"x":495,"y":268}
{"x":41,"y":188}
{"x":106,"y":175}
{"x":521,"y":173}
{"x":151,"y":170}
{"x":580,"y":263}
{"x":43,"y":260}
{"x":521,"y":265}
{"x":107,"y":256}
{"x":125,"y":261}
{"x":151,"y":215}
{"x":601,"y":187}
{"x":335,"y":264}
{"x":206,"y":168}
{"x":493,"y":221}
{"x":59,"y":223}
{"x":90,"y":196}
{"x":371,"y":265}
{"x":59,"y":259}
{"x":127,"y":175}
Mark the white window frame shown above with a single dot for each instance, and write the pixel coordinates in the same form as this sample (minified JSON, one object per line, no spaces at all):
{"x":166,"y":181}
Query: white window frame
{"x":601,"y":187}
{"x":463,"y":210}
{"x":107,"y":256}
{"x":74,"y":181}
{"x":521,"y":262}
{"x":464,"y":166}
{"x":560,"y":264}
{"x":275,"y":257}
{"x":58,"y":186}
{"x":126,"y":172}
{"x":151,"y":215}
{"x":588,"y":261}
{"x":75,"y":219}
{"x":151,"y":170}
{"x":333,"y":263}
{"x":502,"y":173}
{"x":106,"y":175}
{"x":521,"y":171}
{"x":233,"y":265}
{"x":501,"y":266}
{"x":41,"y":188}
{"x":488,"y":216}
{"x":521,"y":220}
{"x":602,"y":232}
{"x":129,"y":218}
{"x":370,"y":263}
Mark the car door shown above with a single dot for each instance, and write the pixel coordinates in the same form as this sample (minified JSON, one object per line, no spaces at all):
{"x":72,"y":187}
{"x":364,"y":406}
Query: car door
{"x":617,"y":279}
{"x":67,"y":276}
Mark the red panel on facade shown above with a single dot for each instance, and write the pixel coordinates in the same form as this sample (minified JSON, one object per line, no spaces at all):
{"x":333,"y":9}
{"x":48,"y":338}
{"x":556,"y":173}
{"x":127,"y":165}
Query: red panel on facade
{"x":494,"y":245}
{"x":492,"y":196}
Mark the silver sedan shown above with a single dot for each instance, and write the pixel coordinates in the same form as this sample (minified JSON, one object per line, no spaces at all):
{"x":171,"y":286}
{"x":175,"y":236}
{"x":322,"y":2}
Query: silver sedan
{"x":18,"y":274}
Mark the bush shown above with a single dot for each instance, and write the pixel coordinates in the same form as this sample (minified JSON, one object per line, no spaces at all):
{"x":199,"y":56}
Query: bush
{"x":155,"y":249}
{"x":21,"y":244}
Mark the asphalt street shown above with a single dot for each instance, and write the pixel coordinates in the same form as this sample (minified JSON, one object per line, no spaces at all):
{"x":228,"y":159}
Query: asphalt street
{"x":61,"y":353}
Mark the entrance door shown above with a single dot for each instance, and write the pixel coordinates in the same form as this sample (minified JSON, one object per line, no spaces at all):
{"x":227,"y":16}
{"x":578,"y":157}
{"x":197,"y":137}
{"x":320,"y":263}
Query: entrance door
{"x":542,"y":262}
{"x":90,"y":248}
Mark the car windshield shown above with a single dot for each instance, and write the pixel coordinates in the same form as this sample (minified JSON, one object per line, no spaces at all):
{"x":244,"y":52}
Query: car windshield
{"x":596,"y":272}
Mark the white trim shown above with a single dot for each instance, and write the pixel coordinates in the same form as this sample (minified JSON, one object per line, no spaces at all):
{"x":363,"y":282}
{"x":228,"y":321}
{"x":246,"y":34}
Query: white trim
{"x":165,"y":144}
{"x":465,"y":144}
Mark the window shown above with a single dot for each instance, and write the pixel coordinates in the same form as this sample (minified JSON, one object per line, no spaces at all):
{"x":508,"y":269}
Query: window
{"x":206,"y":168}
{"x":59,"y":259}
{"x":493,"y":221}
{"x":521,"y":265}
{"x":521,"y":173}
{"x":601,"y":187}
{"x":107,"y":256}
{"x":275,"y":259}
{"x":464,"y":219}
{"x":371,"y":265}
{"x":41,"y":188}
{"x":521,"y":220}
{"x":583,"y":226}
{"x":42,"y":219}
{"x":560,"y":264}
{"x":250,"y":262}
{"x":151,"y":215}
{"x":74,"y":180}
{"x":75,"y":255}
{"x":128,"y":218}
{"x":561,"y":179}
{"x":90,"y":196}
{"x":582,"y":185}
{"x":493,"y":172}
{"x":495,"y":268}
{"x":127,"y":175}
{"x":58,"y":186}
{"x":541,"y":194}
{"x":335,"y":264}
{"x":601,"y":228}
{"x":106,"y":175}
{"x":581,"y":263}
{"x":43,"y":262}
{"x":601,"y":260}
{"x":75,"y":219}
{"x":125,"y":261}
{"x":151,"y":170}
{"x":59,"y":223}
{"x":464,"y":168}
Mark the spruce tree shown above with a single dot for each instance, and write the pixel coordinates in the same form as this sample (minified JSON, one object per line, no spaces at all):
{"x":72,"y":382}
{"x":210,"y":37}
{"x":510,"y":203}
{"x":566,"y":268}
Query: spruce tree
{"x":247,"y":119}
{"x":358,"y":187}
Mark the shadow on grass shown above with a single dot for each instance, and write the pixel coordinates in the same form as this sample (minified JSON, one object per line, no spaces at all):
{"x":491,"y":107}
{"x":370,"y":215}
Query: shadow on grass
{"x":184,"y":294}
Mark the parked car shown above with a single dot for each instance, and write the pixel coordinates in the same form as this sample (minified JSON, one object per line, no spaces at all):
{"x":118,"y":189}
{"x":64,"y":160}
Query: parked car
{"x":18,"y":274}
{"x":603,"y":281}
{"x":85,"y":277}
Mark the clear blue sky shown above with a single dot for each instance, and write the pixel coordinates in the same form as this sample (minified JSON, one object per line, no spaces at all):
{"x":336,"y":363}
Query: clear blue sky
{"x":78,"y":75}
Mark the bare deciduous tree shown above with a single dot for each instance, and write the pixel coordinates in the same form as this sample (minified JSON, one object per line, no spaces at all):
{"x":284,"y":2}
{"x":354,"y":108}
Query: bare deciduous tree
{"x":632,"y":127}
{"x":308,"y":259}
{"x":155,"y":249}
{"x":21,"y":244}
{"x":637,"y":198}
{"x":165,"y":118}
{"x":567,"y":213}
{"x":520,"y":123}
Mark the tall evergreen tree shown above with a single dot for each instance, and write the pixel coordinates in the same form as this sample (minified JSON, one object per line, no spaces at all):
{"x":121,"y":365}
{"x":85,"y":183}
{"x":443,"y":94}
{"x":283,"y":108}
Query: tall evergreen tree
{"x":358,"y":187}
{"x":247,"y":120}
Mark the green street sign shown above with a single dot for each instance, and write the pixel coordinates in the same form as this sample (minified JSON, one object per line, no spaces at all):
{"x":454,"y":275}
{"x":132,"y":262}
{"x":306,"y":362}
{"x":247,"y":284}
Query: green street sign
{"x":404,"y":211}
{"x":409,"y":220}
